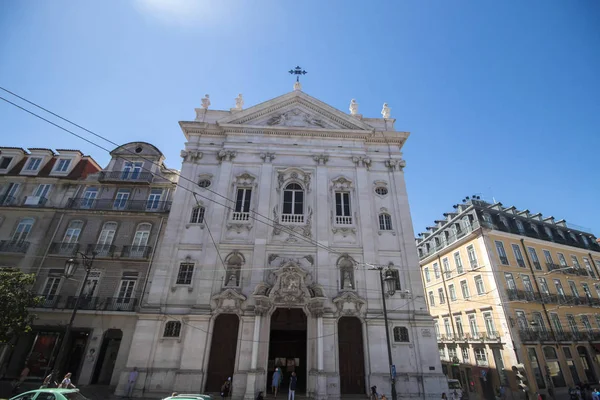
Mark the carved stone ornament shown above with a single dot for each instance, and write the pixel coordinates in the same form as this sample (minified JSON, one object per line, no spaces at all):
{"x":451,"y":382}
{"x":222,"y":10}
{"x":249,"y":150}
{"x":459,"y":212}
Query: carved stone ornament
{"x":206,"y":102}
{"x":239,"y":102}
{"x":297,"y":118}
{"x":361,"y":161}
{"x":394,"y":164}
{"x":191,"y":156}
{"x":353,"y":107}
{"x":321,"y":158}
{"x":267,"y":157}
{"x":290,"y":175}
{"x":342,"y":184}
{"x":290,"y":286}
{"x":226,"y":155}
{"x":246,"y":179}
{"x":228,"y":301}
{"x":349,"y":304}
{"x":385,"y":111}
{"x":343,"y":231}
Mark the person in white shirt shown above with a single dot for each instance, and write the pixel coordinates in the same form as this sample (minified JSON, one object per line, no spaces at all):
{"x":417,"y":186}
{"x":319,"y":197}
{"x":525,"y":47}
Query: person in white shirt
{"x":133,"y":375}
{"x":66,"y":382}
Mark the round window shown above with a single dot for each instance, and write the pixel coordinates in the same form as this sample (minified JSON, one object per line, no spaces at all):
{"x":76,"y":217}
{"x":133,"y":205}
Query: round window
{"x":381,"y":190}
{"x":138,"y":149}
{"x":204,"y":183}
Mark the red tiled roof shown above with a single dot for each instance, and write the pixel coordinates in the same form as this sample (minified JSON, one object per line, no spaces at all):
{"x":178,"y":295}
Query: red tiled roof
{"x":83,"y":168}
{"x":16,"y":170}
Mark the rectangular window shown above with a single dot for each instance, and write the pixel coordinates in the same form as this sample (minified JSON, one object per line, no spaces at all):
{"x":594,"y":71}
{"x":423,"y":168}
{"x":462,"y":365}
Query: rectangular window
{"x":586,"y":323}
{"x":573,"y":288}
{"x":131,"y":170}
{"x":10,"y":195}
{"x":63,"y":165}
{"x":242,"y":201}
{"x":548,"y":257}
{"x":571,"y":365}
{"x":501,"y":252}
{"x":559,"y":288}
{"x":479,"y":285}
{"x":51,"y":287}
{"x":587,"y":291}
{"x":153,"y":202}
{"x":465,"y":355}
{"x":186,"y":270}
{"x":518,"y":255}
{"x":534,"y":258}
{"x":125,"y":292}
{"x":572,"y":324}
{"x":472,"y":257}
{"x":5,"y":162}
{"x":89,"y":197}
{"x":556,"y":322}
{"x":447,"y":271}
{"x":427,"y":274}
{"x":535,"y":366}
{"x":22,"y":231}
{"x":561,"y":259}
{"x":480,"y":356}
{"x":465,"y":289}
{"x":522,"y":320}
{"x":575,"y":262}
{"x":441,"y":296}
{"x":589,"y":268}
{"x":42,"y":190}
{"x":447,"y":327}
{"x":33,"y":164}
{"x":342,"y":204}
{"x":458,"y":262}
{"x":459,"y":327}
{"x":436,"y":270}
{"x":121,"y":199}
{"x":452,"y":291}
{"x":544,"y":286}
{"x":489,"y":324}
{"x":510,"y":281}
{"x":431,"y":298}
{"x":527,"y":285}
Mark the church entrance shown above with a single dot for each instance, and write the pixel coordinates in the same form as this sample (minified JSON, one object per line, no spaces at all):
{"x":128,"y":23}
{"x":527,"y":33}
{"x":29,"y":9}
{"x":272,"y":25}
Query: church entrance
{"x":287,"y":348}
{"x":221,"y":362}
{"x":351,"y":356}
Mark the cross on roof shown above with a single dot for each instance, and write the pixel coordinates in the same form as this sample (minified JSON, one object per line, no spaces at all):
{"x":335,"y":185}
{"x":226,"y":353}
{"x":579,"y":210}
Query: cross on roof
{"x":297,"y":71}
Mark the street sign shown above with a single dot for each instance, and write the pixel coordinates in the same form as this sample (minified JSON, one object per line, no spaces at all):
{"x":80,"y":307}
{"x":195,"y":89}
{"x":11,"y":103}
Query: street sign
{"x":393,"y":371}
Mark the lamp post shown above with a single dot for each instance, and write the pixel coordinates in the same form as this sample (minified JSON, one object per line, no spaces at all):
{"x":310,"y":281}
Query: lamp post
{"x":388,"y":286}
{"x":70,"y":267}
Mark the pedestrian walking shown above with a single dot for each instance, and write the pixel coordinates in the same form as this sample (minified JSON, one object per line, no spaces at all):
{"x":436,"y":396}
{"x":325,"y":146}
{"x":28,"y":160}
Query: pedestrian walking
{"x":66,"y":382}
{"x":276,"y":381}
{"x":47,"y":381}
{"x":374,"y":395}
{"x":260,"y":396}
{"x":444,"y":397}
{"x":293,"y":382}
{"x":226,"y":388}
{"x":133,"y":375}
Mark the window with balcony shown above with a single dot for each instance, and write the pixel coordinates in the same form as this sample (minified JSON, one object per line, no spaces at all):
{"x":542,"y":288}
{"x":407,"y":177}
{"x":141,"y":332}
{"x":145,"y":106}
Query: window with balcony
{"x":5,"y":162}
{"x":197,"y":216}
{"x":153,"y":202}
{"x":91,"y":287}
{"x":343,"y":215}
{"x":473,"y":325}
{"x":73,"y":231}
{"x":121,"y":199}
{"x":561,"y":259}
{"x":242,"y":204}
{"x":431,"y":298}
{"x":139,"y":245}
{"x":548,"y":257}
{"x":559,"y":289}
{"x":385,"y":222}
{"x":572,"y":324}
{"x":436,"y":271}
{"x":472,"y":257}
{"x":518,"y":255}
{"x":528,"y":286}
{"x":479,"y":285}
{"x":42,"y":192}
{"x":510,"y":281}
{"x":442,"y":351}
{"x":458,"y":262}
{"x":436,"y":328}
{"x":293,"y":204}
{"x":540,"y":326}
{"x":489,"y":325}
{"x":50,"y":291}
{"x":103,"y":246}
{"x":172,"y":329}
{"x":10,"y":195}
{"x":556,"y":323}
{"x":452,"y":354}
{"x":131,"y":170}
{"x":459,"y":326}
{"x":33,"y":164}
{"x":401,"y":334}
{"x":480,"y":356}
{"x":62,"y":165}
{"x":575,"y":262}
{"x":22,"y":232}
{"x":427,"y":274}
{"x":522,"y":320}
{"x":573,"y":288}
{"x":186,"y":271}
{"x":553,"y":367}
{"x":446,"y":266}
{"x":585,"y":321}
{"x":465,"y":355}
{"x":447,"y":327}
{"x":588,"y":267}
{"x":452,"y":292}
{"x":534,"y":258}
{"x":89,"y":197}
{"x":125,"y":300}
{"x":543,"y":284}
{"x":501,"y":252}
{"x":464,"y":287}
{"x":441,"y":296}
{"x":597,"y":316}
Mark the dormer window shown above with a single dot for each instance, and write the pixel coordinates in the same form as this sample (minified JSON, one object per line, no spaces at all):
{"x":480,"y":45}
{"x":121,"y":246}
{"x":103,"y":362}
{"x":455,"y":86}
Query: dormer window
{"x":534,"y":227}
{"x":33,"y":164}
{"x":487,"y":218}
{"x":520,"y":226}
{"x":549,"y":232}
{"x":585,"y":241}
{"x":5,"y":162}
{"x":504,"y":221}
{"x":63,"y":165}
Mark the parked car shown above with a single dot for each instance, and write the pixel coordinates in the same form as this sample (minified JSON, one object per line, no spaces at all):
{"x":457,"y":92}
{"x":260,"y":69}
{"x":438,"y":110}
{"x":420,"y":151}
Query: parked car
{"x":51,"y":394}
{"x":455,"y":391}
{"x":189,"y":397}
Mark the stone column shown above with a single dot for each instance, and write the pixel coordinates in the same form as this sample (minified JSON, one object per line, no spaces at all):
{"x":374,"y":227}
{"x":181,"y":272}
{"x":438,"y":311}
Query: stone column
{"x":321,"y":381}
{"x":255,"y":376}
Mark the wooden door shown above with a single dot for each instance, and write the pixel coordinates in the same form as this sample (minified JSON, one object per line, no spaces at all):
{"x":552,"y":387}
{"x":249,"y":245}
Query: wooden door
{"x":221,"y":362}
{"x":351,"y":355}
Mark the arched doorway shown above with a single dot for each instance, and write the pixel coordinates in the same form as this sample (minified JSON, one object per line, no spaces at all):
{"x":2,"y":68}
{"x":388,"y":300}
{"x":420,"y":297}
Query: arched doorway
{"x":287,"y":347}
{"x":588,"y":367}
{"x":223,"y":348}
{"x":107,"y":357}
{"x":351,"y":356}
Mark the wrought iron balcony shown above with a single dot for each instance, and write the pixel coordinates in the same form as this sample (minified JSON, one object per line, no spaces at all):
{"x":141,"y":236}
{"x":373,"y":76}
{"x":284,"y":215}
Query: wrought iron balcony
{"x":48,"y":301}
{"x":8,"y":201}
{"x":504,"y":260}
{"x":119,"y":205}
{"x":65,"y":249}
{"x":521,"y":262}
{"x":101,"y":250}
{"x":12,"y":246}
{"x":120,"y":304}
{"x":35,"y":201}
{"x":524,"y":295}
{"x":141,"y":252}
{"x":126,"y":176}
{"x":85,"y":303}
{"x":103,"y":303}
{"x":535,"y":335}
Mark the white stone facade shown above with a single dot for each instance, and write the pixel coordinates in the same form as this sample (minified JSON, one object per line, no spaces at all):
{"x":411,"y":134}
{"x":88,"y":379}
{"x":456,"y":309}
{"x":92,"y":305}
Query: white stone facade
{"x":306,"y":253}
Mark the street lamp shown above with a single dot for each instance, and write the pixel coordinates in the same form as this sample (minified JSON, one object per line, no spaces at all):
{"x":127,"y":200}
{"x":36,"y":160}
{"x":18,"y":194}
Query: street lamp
{"x":70,"y":268}
{"x":388,"y":284}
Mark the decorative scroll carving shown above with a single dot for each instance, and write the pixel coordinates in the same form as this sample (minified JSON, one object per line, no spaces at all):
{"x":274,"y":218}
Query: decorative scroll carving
{"x":267,"y":157}
{"x":228,"y":301}
{"x":246,"y":179}
{"x":341,"y":184}
{"x":191,"y":156}
{"x":395,"y":164}
{"x":226,"y":155}
{"x":361,"y":161}
{"x":321,"y":158}
{"x":293,"y":175}
{"x":349,"y":304}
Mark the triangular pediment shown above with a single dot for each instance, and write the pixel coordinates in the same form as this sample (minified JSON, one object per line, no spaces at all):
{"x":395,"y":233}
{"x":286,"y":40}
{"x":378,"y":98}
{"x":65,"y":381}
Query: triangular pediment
{"x":295,"y":110}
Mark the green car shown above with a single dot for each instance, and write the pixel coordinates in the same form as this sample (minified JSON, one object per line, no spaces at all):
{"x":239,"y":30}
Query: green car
{"x":188,"y":397}
{"x":51,"y":394}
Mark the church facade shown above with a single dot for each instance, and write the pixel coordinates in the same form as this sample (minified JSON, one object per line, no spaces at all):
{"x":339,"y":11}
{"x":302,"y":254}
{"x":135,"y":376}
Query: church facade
{"x":264,"y":263}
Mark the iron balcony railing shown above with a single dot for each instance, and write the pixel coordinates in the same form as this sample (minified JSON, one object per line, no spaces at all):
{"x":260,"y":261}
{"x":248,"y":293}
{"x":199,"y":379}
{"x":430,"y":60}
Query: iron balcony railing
{"x":524,"y":295}
{"x":126,"y":304}
{"x":125,"y":176}
{"x":65,"y":249}
{"x":141,"y":252}
{"x":85,"y":303}
{"x":12,"y":246}
{"x":101,"y":250}
{"x":8,"y":201}
{"x":240,"y":216}
{"x":292,"y":218}
{"x":119,"y":205}
{"x":48,"y":301}
{"x":120,"y":304}
{"x":504,"y":260}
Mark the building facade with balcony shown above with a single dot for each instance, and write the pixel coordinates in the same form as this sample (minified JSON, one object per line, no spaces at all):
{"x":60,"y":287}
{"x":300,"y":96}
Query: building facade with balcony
{"x":262,"y":261}
{"x":506,"y":287}
{"x":116,"y":213}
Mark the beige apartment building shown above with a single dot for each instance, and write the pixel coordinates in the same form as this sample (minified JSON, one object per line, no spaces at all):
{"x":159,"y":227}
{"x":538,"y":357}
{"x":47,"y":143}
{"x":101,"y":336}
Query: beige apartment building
{"x":508,"y":287}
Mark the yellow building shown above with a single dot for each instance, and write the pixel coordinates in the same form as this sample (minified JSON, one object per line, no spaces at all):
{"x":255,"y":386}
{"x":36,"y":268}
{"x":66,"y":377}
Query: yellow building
{"x":506,"y":287}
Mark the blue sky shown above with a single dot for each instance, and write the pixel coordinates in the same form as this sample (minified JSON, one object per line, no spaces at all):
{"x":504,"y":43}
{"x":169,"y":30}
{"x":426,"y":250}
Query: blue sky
{"x":501,"y":97}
